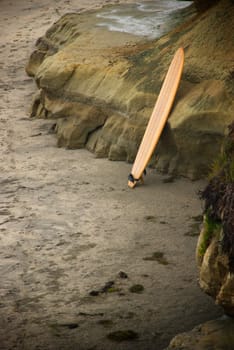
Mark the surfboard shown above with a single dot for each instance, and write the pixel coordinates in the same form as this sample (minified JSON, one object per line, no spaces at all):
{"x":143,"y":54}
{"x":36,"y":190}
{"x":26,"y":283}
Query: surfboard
{"x":158,"y":118}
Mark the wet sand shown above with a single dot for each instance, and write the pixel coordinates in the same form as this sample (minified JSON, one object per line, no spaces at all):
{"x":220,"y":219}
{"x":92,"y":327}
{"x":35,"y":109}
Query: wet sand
{"x":69,"y":225}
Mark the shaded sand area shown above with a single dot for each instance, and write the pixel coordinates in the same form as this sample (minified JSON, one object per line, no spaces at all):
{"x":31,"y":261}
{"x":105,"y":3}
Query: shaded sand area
{"x":82,"y":256}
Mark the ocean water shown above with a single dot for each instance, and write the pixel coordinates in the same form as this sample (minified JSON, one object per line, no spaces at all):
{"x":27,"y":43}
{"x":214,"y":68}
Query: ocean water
{"x":150,"y":19}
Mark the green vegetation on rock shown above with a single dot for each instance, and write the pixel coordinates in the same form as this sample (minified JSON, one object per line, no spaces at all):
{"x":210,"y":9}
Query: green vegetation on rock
{"x":211,"y":228}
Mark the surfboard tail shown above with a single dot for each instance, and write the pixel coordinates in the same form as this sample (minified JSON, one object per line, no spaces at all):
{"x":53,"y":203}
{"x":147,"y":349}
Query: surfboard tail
{"x":132,"y":181}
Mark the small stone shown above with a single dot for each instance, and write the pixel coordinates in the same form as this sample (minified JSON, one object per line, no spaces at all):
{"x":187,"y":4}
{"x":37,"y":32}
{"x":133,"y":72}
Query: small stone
{"x":157,"y":256}
{"x":123,"y":275}
{"x":94,"y":293}
{"x":124,"y":335}
{"x":163,"y":222}
{"x":105,"y":323}
{"x":107,"y":286}
{"x":150,"y":218}
{"x":136,"y":288}
{"x":113,"y":290}
{"x":69,"y":325}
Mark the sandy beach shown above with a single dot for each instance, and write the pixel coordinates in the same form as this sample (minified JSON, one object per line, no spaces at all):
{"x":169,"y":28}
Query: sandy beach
{"x":74,"y":239}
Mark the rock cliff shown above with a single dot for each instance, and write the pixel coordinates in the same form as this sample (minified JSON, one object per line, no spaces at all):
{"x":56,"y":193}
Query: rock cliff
{"x":215,"y":248}
{"x":215,"y":256}
{"x":101,"y":87}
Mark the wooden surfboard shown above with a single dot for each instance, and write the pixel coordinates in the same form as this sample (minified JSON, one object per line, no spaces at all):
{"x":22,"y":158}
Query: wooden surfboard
{"x":158,"y":118}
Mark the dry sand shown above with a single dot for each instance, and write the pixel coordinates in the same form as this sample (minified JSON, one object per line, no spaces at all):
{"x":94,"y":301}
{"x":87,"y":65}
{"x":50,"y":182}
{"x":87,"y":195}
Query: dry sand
{"x":69,"y":225}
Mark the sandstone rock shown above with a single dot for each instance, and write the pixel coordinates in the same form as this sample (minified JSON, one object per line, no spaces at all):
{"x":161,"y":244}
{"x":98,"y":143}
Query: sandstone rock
{"x":74,"y":132}
{"x":216,"y":335}
{"x":102,"y":87}
{"x":215,"y":276}
{"x":215,"y":253}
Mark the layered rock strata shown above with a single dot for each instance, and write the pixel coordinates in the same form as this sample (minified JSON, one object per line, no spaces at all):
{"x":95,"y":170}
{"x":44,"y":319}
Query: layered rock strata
{"x":101,"y":87}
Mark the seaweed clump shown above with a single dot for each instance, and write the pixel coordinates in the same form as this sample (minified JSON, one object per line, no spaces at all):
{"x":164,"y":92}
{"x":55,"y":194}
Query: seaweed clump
{"x":219,"y":196}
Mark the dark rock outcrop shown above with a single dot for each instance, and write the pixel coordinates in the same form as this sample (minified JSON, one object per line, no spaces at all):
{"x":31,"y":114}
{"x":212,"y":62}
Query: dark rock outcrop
{"x":202,"y":5}
{"x":215,"y":256}
{"x":215,"y":249}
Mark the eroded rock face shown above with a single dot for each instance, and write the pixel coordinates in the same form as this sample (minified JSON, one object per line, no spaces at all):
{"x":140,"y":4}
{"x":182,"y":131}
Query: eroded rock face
{"x":215,"y":255}
{"x":215,"y":250}
{"x":101,"y":87}
{"x":217,"y":334}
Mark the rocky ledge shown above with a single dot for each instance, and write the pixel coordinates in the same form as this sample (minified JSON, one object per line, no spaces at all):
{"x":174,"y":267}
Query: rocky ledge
{"x":101,"y":86}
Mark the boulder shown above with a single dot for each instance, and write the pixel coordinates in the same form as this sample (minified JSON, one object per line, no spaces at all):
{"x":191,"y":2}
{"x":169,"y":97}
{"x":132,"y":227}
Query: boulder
{"x":101,"y":87}
{"x":216,"y":335}
{"x":215,"y":277}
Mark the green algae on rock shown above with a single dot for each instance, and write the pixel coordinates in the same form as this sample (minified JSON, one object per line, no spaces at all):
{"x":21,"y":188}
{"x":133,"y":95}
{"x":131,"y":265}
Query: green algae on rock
{"x":211,"y":228}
